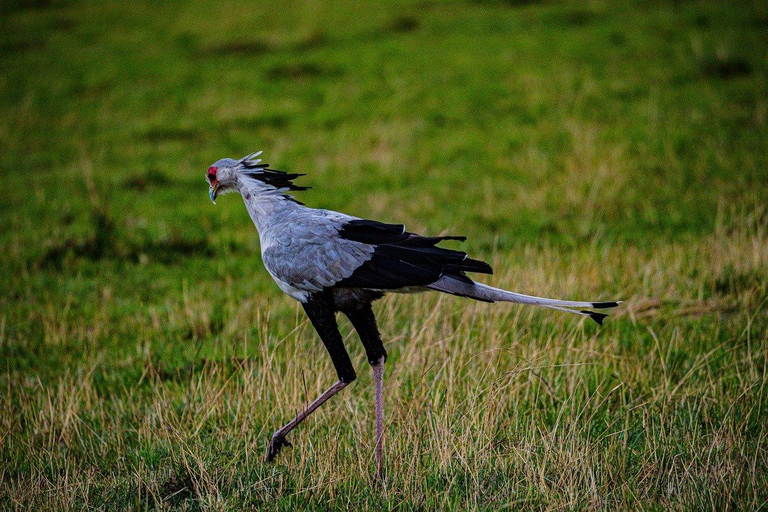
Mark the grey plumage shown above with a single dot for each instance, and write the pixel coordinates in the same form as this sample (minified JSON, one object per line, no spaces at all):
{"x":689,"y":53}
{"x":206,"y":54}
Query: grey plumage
{"x":333,"y":262}
{"x":301,"y":248}
{"x":307,"y":250}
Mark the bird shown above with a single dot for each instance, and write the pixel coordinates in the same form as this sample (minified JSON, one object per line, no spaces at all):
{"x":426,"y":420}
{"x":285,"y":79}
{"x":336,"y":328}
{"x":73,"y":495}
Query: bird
{"x":331,"y":263}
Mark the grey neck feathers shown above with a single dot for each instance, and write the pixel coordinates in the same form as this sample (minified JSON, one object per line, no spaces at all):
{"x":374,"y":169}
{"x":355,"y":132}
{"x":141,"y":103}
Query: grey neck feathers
{"x":265,"y":203}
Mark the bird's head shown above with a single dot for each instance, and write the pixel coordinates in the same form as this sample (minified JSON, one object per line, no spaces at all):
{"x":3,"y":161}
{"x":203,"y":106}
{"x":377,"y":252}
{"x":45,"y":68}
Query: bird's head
{"x":224,"y":175}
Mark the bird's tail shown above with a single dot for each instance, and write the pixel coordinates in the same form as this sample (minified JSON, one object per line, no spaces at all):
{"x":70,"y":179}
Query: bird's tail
{"x":479,"y":291}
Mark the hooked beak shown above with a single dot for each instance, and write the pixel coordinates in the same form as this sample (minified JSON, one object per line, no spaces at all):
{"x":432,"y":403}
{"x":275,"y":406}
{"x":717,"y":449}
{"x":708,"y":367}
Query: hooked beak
{"x":213,"y":191}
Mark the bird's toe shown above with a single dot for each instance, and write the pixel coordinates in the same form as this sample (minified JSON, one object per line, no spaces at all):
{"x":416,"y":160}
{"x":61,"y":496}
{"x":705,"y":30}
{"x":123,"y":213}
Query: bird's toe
{"x":275,"y":445}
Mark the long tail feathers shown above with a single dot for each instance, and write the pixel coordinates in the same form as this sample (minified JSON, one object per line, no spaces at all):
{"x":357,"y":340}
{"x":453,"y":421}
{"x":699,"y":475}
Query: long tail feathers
{"x":479,"y":291}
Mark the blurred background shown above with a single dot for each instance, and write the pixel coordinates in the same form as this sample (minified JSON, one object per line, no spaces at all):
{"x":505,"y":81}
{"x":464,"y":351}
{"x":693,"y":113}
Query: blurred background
{"x":601,"y":149}
{"x":515,"y":120}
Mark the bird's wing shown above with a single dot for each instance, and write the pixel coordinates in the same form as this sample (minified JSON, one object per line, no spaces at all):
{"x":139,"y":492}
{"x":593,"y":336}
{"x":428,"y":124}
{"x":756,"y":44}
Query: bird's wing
{"x":307,"y":254}
{"x":327,"y":250}
{"x":401,"y":259}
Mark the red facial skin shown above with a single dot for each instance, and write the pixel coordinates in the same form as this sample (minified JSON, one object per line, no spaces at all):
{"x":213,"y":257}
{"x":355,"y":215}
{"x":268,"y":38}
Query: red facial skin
{"x":212,"y":175}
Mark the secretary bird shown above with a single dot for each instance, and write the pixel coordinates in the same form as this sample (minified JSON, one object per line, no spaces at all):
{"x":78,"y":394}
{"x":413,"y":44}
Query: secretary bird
{"x":331,"y":262}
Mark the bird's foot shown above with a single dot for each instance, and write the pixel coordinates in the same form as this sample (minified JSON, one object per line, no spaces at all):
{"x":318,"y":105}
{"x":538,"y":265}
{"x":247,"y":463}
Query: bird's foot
{"x":275,"y":445}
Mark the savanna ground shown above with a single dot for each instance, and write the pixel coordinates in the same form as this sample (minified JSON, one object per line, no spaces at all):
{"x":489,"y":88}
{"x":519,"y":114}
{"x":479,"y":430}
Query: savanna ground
{"x":591,"y":151}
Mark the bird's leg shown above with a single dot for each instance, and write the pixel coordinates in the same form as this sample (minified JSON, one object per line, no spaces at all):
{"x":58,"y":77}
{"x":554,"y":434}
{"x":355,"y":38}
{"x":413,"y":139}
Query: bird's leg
{"x":364,"y":323}
{"x":319,"y":309}
{"x":278,"y":438}
{"x":378,"y":379}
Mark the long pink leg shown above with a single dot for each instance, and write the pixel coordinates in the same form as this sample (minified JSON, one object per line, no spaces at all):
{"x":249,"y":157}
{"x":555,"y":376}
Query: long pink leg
{"x":278,"y":438}
{"x":378,"y":379}
{"x":364,"y":321}
{"x":319,"y":309}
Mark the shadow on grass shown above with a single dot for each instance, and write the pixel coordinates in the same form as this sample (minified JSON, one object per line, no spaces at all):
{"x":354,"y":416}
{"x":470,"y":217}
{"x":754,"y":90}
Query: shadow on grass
{"x":103,"y":243}
{"x":237,"y":47}
{"x":11,"y":6}
{"x":401,"y":25}
{"x":179,"y":488}
{"x":244,"y":47}
{"x":725,"y":67}
{"x":256,"y":46}
{"x":508,"y":3}
{"x":301,"y":70}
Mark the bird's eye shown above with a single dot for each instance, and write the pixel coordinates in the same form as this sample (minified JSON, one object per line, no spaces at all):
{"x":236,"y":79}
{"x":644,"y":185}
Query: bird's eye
{"x":212,"y":173}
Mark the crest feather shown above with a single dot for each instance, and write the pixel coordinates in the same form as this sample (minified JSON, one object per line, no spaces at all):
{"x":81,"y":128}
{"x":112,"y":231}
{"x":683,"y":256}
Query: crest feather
{"x":281,"y":180}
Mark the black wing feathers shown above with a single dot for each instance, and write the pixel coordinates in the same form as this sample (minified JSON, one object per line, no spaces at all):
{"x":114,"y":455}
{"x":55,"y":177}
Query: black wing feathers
{"x":402,"y":259}
{"x":372,"y":232}
{"x":278,"y":179}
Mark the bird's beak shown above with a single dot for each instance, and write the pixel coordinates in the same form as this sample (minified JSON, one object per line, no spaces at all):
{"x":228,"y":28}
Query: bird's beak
{"x":213,"y":191}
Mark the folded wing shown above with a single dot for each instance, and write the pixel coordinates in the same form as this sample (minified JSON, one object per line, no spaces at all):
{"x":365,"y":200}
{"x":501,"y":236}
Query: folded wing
{"x":401,"y":259}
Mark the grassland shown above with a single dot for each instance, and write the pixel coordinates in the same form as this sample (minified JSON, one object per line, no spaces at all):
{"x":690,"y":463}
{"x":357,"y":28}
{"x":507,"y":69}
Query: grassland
{"x":591,"y":150}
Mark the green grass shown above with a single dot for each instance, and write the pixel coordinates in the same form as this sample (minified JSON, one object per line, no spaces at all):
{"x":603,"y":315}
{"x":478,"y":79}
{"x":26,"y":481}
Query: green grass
{"x":593,"y":150}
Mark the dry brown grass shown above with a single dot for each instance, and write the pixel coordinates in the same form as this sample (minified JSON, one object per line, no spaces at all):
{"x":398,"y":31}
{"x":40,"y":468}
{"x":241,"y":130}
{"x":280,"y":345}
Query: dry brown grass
{"x":486,"y":404}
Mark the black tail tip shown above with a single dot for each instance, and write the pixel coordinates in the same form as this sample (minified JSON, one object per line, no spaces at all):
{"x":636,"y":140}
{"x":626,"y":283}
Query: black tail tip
{"x":605,"y":305}
{"x":597,"y":317}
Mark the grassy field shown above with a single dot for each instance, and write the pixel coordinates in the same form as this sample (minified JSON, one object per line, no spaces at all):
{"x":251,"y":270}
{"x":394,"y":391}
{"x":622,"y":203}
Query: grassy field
{"x":596,"y":150}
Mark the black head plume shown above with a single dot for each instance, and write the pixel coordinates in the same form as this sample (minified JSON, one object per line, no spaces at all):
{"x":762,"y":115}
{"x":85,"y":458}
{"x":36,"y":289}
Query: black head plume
{"x":254,"y":168}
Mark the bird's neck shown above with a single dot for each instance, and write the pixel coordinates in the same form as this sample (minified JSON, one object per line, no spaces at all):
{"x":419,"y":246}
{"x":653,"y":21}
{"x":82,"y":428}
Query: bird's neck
{"x":266,"y":205}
